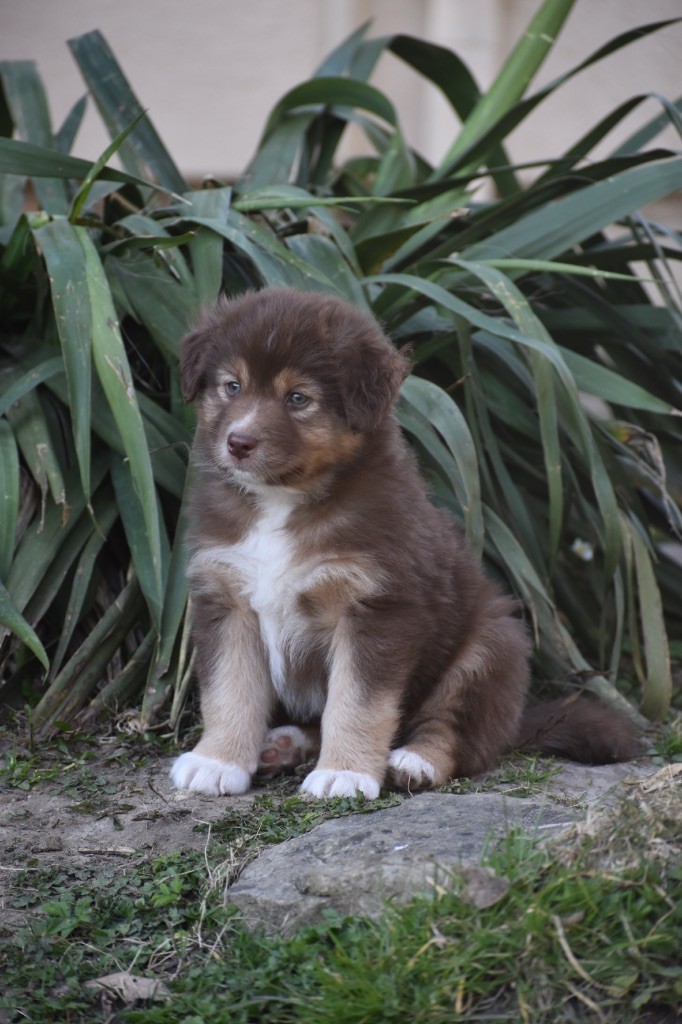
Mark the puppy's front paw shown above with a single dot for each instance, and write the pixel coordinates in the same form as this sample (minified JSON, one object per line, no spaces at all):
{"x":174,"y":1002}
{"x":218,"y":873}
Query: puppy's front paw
{"x":340,"y":782}
{"x":409,"y":770}
{"x":208,"y":775}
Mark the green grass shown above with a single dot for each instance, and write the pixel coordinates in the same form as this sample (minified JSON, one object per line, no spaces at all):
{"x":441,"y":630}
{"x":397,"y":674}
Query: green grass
{"x":586,"y":931}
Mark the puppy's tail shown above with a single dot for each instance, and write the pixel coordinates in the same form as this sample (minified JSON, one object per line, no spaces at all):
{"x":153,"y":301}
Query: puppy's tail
{"x":579,"y":728}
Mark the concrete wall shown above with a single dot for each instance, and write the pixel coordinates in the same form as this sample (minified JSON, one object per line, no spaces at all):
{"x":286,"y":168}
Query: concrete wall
{"x":210,"y":71}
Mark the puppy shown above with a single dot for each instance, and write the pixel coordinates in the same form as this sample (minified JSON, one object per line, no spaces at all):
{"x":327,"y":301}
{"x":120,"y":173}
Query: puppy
{"x":334,"y":607}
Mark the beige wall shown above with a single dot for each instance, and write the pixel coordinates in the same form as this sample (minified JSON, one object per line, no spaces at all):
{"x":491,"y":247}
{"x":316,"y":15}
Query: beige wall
{"x":209,"y":71}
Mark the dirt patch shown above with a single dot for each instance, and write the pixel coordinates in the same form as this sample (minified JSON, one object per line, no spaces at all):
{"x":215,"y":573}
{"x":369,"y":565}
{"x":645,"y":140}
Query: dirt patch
{"x":114,"y":813}
{"x":111,"y":804}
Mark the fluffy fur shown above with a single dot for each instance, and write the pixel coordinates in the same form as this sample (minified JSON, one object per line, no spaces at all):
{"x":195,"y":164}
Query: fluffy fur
{"x":334,"y":607}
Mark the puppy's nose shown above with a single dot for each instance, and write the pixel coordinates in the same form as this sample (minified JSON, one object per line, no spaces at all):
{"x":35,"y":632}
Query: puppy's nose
{"x":241,"y":445}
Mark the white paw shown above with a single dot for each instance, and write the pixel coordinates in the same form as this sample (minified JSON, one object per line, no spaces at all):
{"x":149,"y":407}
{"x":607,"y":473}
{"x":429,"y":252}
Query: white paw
{"x":410,"y":770}
{"x":284,"y":747}
{"x":208,"y":775}
{"x":340,"y":782}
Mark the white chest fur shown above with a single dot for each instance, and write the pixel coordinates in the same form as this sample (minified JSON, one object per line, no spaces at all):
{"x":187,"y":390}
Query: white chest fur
{"x":265,"y":562}
{"x":270,"y":577}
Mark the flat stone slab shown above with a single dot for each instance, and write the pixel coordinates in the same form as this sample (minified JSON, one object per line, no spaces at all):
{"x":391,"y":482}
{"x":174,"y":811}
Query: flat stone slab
{"x":584,"y":785}
{"x":354,"y":864}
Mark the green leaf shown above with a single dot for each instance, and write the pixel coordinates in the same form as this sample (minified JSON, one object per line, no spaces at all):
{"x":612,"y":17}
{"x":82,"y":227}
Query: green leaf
{"x":142,"y":152}
{"x":555,"y":267}
{"x":277,"y":265}
{"x":322,"y":254}
{"x":153,"y":297}
{"x":63,"y":256}
{"x":519,"y":309}
{"x":440,"y":410}
{"x":658,"y":681}
{"x":9,"y":496}
{"x":554,"y":228}
{"x":29,"y":381}
{"x":577,"y":424}
{"x":38,"y":445}
{"x":333,"y":92}
{"x":39,"y":162}
{"x":671,"y":114}
{"x":336,"y":62}
{"x":516,"y":75}
{"x":81,"y":196}
{"x":12,"y":619}
{"x":65,"y":137}
{"x":130,"y":509}
{"x":293,"y":198}
{"x":103,"y":520}
{"x":490,"y":135}
{"x":175,"y":597}
{"x":28,"y":105}
{"x":206,"y":247}
{"x":84,"y":670}
{"x":113,"y":370}
{"x":598,"y":380}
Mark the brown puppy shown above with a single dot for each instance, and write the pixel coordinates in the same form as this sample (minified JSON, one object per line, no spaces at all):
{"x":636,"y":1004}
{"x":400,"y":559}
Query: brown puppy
{"x":326,"y":588}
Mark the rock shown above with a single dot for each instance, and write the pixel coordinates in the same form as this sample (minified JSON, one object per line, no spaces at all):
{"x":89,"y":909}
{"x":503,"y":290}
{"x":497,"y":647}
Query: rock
{"x":352,"y":865}
{"x":584,"y":785}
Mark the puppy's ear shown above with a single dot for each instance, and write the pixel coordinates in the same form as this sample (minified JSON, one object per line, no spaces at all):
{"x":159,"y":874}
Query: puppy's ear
{"x":194,"y":350}
{"x":373,"y":372}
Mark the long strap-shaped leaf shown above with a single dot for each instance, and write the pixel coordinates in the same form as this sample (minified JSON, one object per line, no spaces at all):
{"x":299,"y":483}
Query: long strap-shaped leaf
{"x":113,"y":370}
{"x":440,"y":410}
{"x":492,"y":134}
{"x":523,"y":316}
{"x":12,"y":619}
{"x":9,"y":496}
{"x":63,"y":257}
{"x":515,"y":76}
{"x":17,"y":157}
{"x":551,"y":230}
{"x":130,"y":510}
{"x":143,"y":152}
{"x":27,"y":101}
{"x":657,"y":683}
{"x":544,"y":345}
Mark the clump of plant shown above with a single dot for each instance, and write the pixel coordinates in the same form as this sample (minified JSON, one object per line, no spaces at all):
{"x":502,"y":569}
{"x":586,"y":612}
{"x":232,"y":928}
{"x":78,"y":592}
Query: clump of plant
{"x":545,"y":327}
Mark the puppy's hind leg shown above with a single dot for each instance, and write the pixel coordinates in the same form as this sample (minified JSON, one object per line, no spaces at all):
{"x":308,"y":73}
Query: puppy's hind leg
{"x":287,"y":746}
{"x":417,"y":765}
{"x":473,"y":713}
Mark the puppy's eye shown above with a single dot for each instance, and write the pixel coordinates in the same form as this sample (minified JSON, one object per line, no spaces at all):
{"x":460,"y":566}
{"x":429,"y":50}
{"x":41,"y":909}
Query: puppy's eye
{"x":298,"y":400}
{"x":232,"y":387}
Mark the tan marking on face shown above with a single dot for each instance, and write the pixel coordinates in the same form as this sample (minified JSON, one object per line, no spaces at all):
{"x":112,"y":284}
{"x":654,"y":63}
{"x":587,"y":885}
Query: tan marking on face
{"x":237,"y":369}
{"x":212,"y":402}
{"x":288,"y":380}
{"x":326,"y":448}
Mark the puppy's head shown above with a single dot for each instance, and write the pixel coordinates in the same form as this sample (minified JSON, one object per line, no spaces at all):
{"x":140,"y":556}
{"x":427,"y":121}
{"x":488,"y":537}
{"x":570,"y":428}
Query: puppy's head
{"x":287,"y":384}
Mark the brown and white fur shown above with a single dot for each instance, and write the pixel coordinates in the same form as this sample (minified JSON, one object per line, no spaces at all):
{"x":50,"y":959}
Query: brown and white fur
{"x":334,"y":606}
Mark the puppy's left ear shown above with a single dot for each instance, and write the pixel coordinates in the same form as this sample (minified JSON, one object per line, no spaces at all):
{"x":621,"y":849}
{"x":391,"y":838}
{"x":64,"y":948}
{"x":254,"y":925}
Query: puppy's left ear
{"x":373,"y":370}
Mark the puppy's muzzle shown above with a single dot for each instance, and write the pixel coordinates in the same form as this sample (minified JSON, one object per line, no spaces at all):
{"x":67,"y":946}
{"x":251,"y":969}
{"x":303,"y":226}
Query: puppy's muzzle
{"x":241,"y":445}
